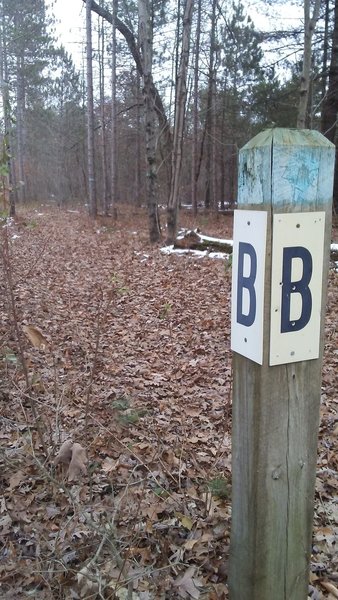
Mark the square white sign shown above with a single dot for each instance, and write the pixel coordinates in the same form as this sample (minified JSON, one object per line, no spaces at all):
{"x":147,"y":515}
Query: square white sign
{"x":248,"y":271}
{"x":296,"y":286}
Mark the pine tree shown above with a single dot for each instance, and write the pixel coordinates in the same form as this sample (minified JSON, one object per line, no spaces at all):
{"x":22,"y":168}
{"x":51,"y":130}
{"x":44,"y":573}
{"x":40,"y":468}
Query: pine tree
{"x":28,"y":52}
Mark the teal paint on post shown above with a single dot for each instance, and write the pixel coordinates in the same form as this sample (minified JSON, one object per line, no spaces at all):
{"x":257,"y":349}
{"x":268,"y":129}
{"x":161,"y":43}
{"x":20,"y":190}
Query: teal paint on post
{"x":276,"y":409}
{"x":280,"y":166}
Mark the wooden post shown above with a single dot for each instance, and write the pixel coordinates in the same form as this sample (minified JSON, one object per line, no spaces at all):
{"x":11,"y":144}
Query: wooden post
{"x":280,"y":264}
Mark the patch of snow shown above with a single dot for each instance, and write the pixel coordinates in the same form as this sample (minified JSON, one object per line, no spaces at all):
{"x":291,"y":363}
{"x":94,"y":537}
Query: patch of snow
{"x":9,"y":222}
{"x":15,"y":236}
{"x":194,"y":253}
{"x":334,"y":247}
{"x":221,"y":255}
{"x":207,"y":238}
{"x":183,"y":232}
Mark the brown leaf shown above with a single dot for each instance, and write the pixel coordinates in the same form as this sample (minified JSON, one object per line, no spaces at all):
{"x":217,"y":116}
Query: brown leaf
{"x":78,"y":462}
{"x":109,"y":464}
{"x":186,"y":585}
{"x":16,"y":479}
{"x":35,"y":337}
{"x":329,"y":587}
{"x":65,"y":453}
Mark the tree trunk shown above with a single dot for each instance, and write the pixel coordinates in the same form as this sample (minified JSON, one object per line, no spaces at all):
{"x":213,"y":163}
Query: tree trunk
{"x":330,"y":107}
{"x":181,"y":94}
{"x":133,"y":48}
{"x":209,"y":116}
{"x":146,"y":43}
{"x":90,"y":116}
{"x":137,"y":191}
{"x":225,"y":150}
{"x":101,"y":46}
{"x":325,"y":49}
{"x":8,"y":188}
{"x":114,"y":116}
{"x":214,"y":197}
{"x":20,"y":115}
{"x":309,"y":27}
{"x":195,"y":113}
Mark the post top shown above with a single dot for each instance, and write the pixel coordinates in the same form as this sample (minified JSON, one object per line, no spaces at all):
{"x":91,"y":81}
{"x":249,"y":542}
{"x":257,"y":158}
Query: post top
{"x":280,"y":136}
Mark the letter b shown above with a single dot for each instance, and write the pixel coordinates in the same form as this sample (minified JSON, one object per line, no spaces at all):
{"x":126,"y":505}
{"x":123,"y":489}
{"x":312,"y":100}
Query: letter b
{"x":246,"y":282}
{"x":301,"y":287}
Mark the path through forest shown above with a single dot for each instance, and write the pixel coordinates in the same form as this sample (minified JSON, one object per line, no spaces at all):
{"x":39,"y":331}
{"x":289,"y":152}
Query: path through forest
{"x":135,"y":366}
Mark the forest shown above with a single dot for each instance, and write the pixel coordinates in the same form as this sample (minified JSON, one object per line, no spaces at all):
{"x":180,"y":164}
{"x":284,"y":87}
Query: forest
{"x":164,"y":101}
{"x":118,"y":185}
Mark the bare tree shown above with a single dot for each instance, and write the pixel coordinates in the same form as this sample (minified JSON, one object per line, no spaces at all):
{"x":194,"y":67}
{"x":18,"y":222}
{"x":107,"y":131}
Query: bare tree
{"x":20,"y":112}
{"x":9,"y":190}
{"x":181,"y":95}
{"x":101,"y":48}
{"x":210,"y":116}
{"x":195,"y":112}
{"x":154,"y":107}
{"x":113,"y":166}
{"x":309,"y":27}
{"x":330,"y":105}
{"x":90,"y":115}
{"x":146,"y":43}
{"x":137,"y":187}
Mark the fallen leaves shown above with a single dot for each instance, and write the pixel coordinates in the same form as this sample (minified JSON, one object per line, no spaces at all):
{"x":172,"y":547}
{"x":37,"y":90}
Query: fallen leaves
{"x":78,"y":462}
{"x":329,"y":587}
{"x":35,"y":336}
{"x":64,"y":456}
{"x":187,"y":585}
{"x":73,"y":456}
{"x":138,"y":501}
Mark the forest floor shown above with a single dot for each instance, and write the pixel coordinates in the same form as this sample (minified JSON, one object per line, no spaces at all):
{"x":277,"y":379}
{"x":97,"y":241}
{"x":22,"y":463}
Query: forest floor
{"x":133,"y":363}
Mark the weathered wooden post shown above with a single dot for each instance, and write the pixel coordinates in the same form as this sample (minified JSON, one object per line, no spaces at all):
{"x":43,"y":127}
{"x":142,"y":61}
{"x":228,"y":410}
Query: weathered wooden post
{"x":281,"y":257}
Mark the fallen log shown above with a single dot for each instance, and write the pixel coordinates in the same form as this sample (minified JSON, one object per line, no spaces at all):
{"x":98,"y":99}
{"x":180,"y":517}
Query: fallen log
{"x":193,"y":240}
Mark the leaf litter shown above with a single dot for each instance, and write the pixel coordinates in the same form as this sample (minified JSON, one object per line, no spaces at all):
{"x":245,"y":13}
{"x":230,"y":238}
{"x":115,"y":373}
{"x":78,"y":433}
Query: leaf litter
{"x":133,"y":399}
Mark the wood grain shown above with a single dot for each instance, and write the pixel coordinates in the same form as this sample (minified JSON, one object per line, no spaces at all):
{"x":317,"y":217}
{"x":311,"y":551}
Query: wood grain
{"x":276,"y":409}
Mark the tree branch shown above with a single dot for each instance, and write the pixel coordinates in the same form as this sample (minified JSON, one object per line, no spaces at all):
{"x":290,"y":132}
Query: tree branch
{"x":132,"y":45}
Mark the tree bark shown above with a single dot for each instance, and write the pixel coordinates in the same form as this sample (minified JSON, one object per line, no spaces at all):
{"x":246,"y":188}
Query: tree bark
{"x":8,"y":191}
{"x":20,"y":115}
{"x":137,"y":190}
{"x":325,"y":50}
{"x":330,"y":106}
{"x":146,"y":43}
{"x":181,"y":95}
{"x":90,"y":116}
{"x":195,"y":113}
{"x":214,"y":197}
{"x":101,"y":46}
{"x":210,"y":116}
{"x":114,"y":115}
{"x":309,"y":27}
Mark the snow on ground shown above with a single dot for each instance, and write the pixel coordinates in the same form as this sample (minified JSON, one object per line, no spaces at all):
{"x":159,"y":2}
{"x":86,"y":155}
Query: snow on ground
{"x":194,"y":253}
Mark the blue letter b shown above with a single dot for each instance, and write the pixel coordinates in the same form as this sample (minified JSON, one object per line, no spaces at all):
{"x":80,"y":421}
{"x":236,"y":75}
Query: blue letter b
{"x":247,"y":282}
{"x":296,"y":287}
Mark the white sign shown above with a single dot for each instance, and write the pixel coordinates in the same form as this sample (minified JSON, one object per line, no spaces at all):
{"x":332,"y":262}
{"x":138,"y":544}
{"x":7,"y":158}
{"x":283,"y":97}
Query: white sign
{"x":296,"y":286}
{"x":248,"y":270}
